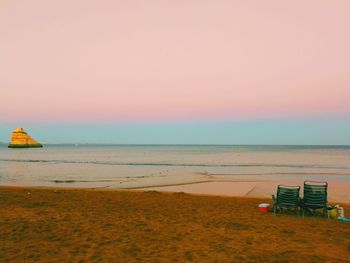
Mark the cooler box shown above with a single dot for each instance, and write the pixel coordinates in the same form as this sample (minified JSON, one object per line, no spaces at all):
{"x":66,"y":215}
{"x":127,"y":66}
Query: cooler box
{"x":264,"y":208}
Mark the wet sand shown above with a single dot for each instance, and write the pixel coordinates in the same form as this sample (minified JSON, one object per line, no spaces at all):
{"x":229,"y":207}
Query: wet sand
{"x":337,"y":191}
{"x":61,"y":225}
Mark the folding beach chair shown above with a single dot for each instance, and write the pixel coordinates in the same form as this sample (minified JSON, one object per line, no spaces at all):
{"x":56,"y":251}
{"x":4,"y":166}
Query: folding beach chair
{"x":287,"y":199}
{"x":315,"y":197}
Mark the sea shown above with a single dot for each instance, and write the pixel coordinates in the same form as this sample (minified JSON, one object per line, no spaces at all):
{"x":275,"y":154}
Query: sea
{"x":233,"y":170}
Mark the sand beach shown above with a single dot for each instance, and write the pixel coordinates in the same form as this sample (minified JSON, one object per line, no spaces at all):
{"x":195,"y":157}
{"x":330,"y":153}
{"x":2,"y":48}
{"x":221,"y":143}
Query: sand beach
{"x":77,"y":225}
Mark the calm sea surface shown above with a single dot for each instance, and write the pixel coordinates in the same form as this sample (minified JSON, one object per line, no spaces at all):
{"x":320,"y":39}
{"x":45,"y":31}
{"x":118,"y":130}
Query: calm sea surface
{"x":211,"y":169}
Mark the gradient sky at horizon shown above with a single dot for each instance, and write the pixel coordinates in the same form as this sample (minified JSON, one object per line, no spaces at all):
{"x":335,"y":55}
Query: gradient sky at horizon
{"x":228,"y":67}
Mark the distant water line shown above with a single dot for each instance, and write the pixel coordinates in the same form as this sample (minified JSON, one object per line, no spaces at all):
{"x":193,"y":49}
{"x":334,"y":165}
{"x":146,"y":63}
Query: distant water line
{"x":178,"y":164}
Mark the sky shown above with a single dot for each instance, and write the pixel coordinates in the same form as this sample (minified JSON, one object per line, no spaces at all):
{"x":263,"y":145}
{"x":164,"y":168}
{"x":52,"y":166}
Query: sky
{"x":194,"y":71}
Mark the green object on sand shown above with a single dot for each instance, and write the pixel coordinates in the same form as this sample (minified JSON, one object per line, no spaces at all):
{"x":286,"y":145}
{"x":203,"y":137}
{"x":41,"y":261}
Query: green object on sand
{"x":287,"y":198}
{"x":315,"y":197}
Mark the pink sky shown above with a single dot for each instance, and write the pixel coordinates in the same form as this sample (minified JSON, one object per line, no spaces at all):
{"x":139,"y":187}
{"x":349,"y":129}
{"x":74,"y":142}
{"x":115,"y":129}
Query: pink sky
{"x":140,"y":60}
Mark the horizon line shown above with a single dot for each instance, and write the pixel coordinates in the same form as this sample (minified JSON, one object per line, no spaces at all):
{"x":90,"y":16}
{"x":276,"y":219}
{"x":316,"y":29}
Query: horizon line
{"x":185,"y":144}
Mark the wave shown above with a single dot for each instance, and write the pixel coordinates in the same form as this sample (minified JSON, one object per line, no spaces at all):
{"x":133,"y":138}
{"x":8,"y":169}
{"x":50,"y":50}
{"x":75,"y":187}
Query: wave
{"x":278,"y":173}
{"x":311,"y":166}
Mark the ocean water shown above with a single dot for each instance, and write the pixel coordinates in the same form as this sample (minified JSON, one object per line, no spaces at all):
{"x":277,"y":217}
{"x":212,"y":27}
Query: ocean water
{"x":228,"y":170}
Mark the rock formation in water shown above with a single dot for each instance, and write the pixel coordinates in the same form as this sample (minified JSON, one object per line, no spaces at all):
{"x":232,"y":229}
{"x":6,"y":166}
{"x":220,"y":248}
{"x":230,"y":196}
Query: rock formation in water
{"x":21,"y":139}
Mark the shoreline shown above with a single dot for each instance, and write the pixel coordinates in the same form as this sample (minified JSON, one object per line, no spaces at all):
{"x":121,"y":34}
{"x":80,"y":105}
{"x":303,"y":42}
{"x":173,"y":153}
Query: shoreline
{"x":253,"y":171}
{"x":141,"y":190}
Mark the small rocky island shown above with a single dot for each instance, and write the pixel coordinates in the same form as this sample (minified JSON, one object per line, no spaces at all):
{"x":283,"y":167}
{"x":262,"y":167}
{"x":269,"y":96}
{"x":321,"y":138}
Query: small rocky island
{"x":21,"y":139}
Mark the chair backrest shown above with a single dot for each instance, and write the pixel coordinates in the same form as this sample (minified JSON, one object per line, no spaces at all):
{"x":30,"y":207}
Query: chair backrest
{"x":315,"y":193}
{"x":288,"y":196}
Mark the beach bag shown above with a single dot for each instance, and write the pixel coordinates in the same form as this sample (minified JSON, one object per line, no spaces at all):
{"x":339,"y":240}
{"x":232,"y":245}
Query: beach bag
{"x":333,"y":213}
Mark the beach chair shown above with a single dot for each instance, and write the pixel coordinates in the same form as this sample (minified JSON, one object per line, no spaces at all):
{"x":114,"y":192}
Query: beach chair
{"x":287,"y":199}
{"x":315,"y":197}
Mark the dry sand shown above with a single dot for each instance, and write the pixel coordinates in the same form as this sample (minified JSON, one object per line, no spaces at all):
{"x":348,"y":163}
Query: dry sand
{"x":47,"y":225}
